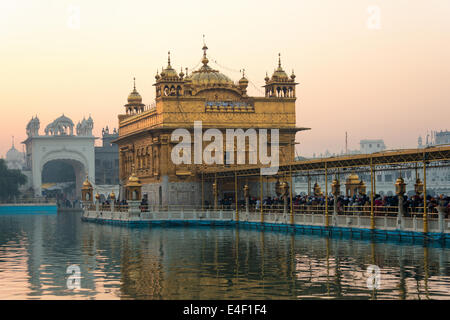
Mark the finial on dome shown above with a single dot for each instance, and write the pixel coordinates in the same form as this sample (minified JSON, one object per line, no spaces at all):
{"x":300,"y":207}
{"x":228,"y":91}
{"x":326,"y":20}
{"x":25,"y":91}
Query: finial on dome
{"x":181,"y":73}
{"x":292,"y":75}
{"x":134,"y":83}
{"x":187,"y":72}
{"x":205,"y":59}
{"x":168,"y":60}
{"x":279,"y":60}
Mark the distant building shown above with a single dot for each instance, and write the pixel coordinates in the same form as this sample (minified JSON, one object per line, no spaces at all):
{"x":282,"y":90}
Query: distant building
{"x":107,"y":159}
{"x":438,"y":179}
{"x":371,"y":146}
{"x":442,"y":137}
{"x":15,"y":159}
{"x":434,"y":138}
{"x":366,"y":146}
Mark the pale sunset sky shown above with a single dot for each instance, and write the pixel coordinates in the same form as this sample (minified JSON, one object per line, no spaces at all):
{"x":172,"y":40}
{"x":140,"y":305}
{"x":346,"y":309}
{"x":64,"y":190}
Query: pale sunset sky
{"x":375,"y":74}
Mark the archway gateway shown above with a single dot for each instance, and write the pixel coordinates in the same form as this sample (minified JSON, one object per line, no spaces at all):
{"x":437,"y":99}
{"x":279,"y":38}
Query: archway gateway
{"x":60,"y":144}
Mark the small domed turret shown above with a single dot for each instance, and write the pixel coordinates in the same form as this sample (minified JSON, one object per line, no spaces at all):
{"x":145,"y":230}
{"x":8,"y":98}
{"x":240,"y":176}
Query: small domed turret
{"x":169,"y":72}
{"x":181,"y":74}
{"x":243,"y":82}
{"x":134,"y":97}
{"x":293,"y":76}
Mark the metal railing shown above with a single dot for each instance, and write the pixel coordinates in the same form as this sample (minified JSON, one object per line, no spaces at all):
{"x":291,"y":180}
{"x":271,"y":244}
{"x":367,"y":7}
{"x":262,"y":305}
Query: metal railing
{"x":360,"y":210}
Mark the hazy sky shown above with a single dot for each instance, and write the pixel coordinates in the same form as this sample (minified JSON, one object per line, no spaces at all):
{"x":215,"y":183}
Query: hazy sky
{"x":389,"y":80}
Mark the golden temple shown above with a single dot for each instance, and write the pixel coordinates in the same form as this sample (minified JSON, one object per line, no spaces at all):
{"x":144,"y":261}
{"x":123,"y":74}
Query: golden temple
{"x":208,"y":96}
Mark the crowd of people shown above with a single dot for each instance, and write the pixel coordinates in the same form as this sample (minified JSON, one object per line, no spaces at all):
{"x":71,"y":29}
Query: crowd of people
{"x":357,"y":203}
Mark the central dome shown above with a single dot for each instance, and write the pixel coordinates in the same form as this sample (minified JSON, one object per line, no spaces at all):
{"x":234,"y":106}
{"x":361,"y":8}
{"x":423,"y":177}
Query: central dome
{"x":207,"y":76}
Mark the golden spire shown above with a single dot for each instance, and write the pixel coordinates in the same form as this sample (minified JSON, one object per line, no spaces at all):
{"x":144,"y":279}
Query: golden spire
{"x":293,"y":75}
{"x":181,"y":73}
{"x":168,"y":61}
{"x":205,"y":59}
{"x":279,"y":60}
{"x":134,"y":83}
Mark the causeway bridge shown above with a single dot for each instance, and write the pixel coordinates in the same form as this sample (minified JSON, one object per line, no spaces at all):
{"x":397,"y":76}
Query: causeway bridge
{"x":425,"y":223}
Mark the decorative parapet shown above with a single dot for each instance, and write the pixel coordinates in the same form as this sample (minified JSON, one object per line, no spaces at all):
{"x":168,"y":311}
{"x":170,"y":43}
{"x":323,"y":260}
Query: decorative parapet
{"x":228,"y":106}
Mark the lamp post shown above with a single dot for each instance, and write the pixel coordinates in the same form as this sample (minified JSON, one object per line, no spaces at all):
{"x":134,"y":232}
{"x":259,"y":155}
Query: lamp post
{"x":400,"y":189}
{"x":335,"y":190}
{"x":247,"y":200}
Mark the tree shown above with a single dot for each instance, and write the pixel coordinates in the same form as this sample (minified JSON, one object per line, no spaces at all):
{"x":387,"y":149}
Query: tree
{"x":10,"y":180}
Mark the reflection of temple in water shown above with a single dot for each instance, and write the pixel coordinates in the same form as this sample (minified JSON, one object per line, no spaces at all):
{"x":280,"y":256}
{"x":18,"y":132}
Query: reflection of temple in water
{"x":162,"y":263}
{"x":217,"y":263}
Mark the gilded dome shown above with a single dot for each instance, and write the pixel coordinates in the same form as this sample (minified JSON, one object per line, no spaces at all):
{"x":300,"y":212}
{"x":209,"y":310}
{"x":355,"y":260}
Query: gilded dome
{"x":134,"y":97}
{"x":133,"y":181}
{"x":353,"y":178}
{"x":279,"y":74}
{"x":87,"y":184}
{"x":207,"y":76}
{"x":169,"y":72}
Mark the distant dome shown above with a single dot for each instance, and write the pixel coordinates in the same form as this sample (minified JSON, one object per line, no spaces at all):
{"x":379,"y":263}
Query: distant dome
{"x":13,"y":155}
{"x":64,"y":120}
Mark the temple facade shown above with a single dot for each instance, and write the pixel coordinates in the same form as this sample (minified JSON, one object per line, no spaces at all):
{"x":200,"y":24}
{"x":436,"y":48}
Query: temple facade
{"x":208,"y":97}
